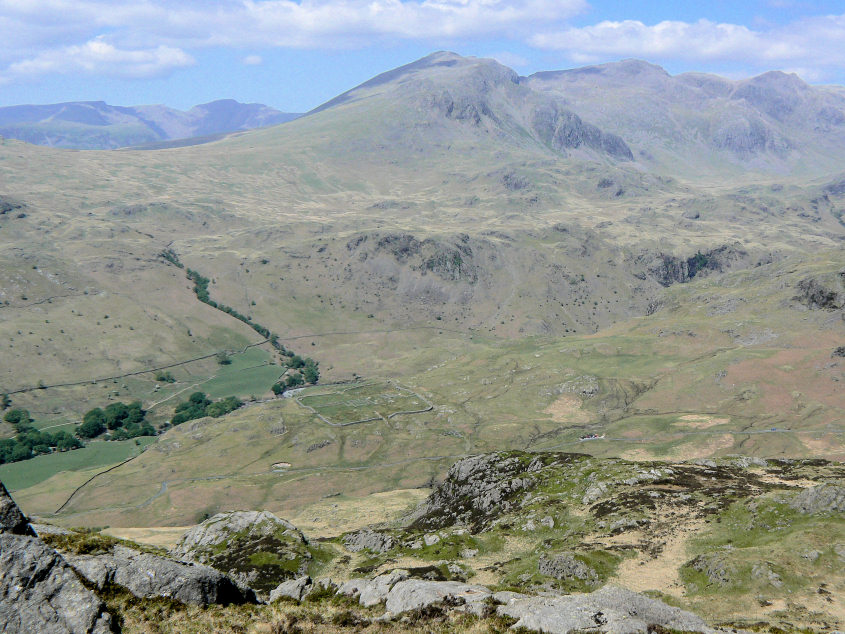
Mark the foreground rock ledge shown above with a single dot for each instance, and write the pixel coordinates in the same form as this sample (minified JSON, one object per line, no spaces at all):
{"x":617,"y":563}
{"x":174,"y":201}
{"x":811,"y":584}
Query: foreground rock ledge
{"x":609,"y":609}
{"x":39,"y":592}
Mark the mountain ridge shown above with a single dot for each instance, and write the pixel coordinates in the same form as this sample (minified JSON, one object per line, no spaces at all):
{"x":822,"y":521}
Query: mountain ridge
{"x":98,"y":125}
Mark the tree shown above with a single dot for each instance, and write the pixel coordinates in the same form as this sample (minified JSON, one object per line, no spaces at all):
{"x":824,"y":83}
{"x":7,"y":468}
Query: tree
{"x":296,"y":362}
{"x":91,"y":428}
{"x":5,"y":401}
{"x":310,"y":371}
{"x":293,"y":380}
{"x":17,"y":416}
{"x":278,"y":389}
{"x":115,"y":414}
{"x":223,"y":358}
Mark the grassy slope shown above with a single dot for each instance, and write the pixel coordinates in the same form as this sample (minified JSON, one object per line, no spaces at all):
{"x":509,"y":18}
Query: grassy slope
{"x":651,"y":391}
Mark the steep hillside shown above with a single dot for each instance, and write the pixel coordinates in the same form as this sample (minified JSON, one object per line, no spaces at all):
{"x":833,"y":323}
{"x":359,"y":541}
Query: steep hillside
{"x":693,"y":122}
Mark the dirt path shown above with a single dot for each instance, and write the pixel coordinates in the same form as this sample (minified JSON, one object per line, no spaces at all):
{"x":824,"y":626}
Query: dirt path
{"x":661,"y":572}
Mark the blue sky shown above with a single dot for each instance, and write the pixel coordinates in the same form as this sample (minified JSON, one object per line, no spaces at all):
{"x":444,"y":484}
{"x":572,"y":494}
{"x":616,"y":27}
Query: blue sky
{"x":294,"y":55}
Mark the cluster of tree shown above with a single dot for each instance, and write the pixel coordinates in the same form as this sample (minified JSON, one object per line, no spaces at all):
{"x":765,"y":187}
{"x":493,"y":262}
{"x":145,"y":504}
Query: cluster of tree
{"x":121,"y":419}
{"x":164,"y":376}
{"x":29,"y":442}
{"x":308,"y":372}
{"x":199,"y":405}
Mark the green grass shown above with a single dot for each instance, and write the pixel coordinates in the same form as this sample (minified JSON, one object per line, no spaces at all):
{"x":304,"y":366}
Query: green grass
{"x":248,"y":373}
{"x":27,"y":473}
{"x":364,"y":402}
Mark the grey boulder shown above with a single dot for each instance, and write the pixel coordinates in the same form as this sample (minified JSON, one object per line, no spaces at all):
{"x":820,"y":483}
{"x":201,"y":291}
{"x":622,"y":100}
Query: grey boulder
{"x":610,"y":609}
{"x":40,"y":593}
{"x":413,"y":594}
{"x":11,"y":518}
{"x":371,"y":592}
{"x":291,"y":589}
{"x":825,"y":498}
{"x":368,"y":540}
{"x":147,"y":576}
{"x":566,"y":567}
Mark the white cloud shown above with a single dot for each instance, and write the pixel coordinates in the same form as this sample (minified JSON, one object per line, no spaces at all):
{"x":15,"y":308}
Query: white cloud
{"x":147,"y":37}
{"x":151,"y":36}
{"x":252,"y":60}
{"x":811,"y":43}
{"x":97,"y":57}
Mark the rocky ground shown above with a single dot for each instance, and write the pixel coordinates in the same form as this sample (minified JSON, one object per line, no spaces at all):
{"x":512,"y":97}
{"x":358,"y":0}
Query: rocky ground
{"x":547,"y":542}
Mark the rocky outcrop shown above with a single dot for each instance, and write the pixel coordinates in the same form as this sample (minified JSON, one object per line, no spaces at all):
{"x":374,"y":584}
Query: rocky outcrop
{"x":715,"y":567}
{"x":11,"y":518}
{"x":255,"y":548}
{"x":147,"y":576}
{"x":818,"y":294}
{"x":401,"y":594}
{"x":825,"y":498}
{"x":480,"y":488}
{"x":561,"y":129}
{"x":566,"y":568}
{"x":607,"y":610}
{"x":371,"y":592}
{"x":39,"y":592}
{"x":673,"y":269}
{"x":368,"y":539}
{"x":291,"y":589}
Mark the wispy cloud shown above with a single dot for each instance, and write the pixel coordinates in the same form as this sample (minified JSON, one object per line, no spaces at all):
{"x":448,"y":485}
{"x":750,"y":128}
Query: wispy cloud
{"x":97,"y":57}
{"x":152,"y":37}
{"x":811,"y":43}
{"x":252,"y":60}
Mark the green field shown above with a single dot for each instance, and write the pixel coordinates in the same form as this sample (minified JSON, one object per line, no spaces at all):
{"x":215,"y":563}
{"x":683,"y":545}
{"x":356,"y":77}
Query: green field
{"x":347,"y":405}
{"x":249,"y":373}
{"x":27,"y":473}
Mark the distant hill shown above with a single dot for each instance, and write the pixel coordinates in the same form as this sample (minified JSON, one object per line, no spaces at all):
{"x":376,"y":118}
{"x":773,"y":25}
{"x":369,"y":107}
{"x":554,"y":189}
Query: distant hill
{"x":694,"y":121}
{"x":95,"y":125}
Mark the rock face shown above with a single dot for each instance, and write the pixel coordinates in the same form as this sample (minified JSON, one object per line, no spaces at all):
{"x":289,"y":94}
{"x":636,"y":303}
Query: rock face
{"x":715,"y":566}
{"x":146,"y":576}
{"x":401,"y":594}
{"x":368,"y":540}
{"x":479,"y":488}
{"x":11,"y":518}
{"x":413,"y":594}
{"x":38,"y":591}
{"x":826,"y":498}
{"x":255,"y":548}
{"x":292,"y":589}
{"x":819,"y":295}
{"x":566,"y":567}
{"x":607,"y":610}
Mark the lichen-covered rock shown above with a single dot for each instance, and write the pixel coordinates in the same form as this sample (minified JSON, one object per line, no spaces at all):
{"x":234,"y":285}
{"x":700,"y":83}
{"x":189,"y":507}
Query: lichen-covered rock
{"x":413,"y":594}
{"x":147,"y":576}
{"x":763,"y":572}
{"x":11,"y":518}
{"x":291,"y":589}
{"x":40,"y":593}
{"x":480,"y":488}
{"x":368,"y":539}
{"x":255,"y":548}
{"x":371,"y":592}
{"x":607,"y":610}
{"x":715,"y":566}
{"x":566,"y":568}
{"x":825,"y":498}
